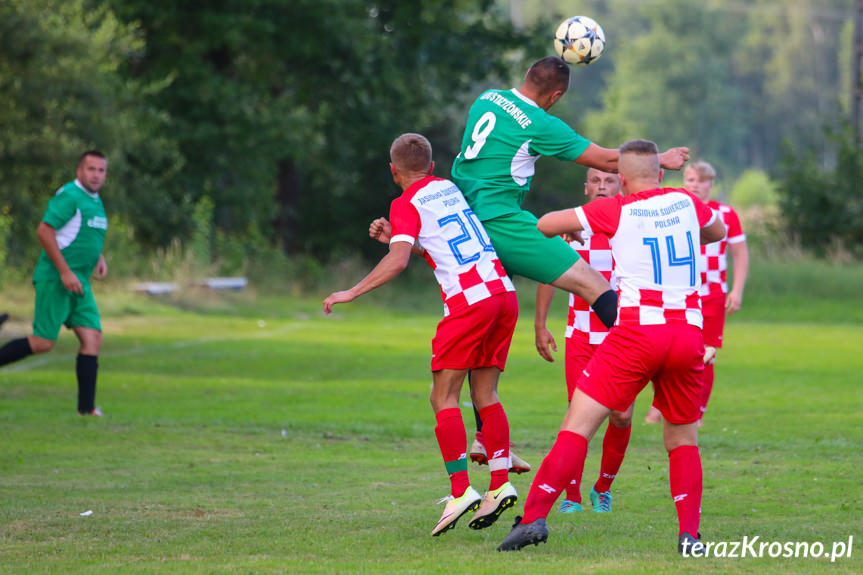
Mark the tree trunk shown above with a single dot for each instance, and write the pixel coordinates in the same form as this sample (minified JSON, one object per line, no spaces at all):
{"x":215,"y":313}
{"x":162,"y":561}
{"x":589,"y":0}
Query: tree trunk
{"x":287,"y":196}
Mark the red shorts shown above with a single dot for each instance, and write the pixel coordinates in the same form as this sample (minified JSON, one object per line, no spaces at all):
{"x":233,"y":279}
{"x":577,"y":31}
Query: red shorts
{"x":713,"y":310}
{"x":477,"y":335}
{"x":671,"y":355}
{"x":579,"y":350}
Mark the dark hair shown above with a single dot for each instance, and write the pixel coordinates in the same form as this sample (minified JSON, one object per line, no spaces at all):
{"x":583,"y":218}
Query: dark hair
{"x":640,"y":147}
{"x":93,"y":153}
{"x":411,"y":152}
{"x":549,"y":74}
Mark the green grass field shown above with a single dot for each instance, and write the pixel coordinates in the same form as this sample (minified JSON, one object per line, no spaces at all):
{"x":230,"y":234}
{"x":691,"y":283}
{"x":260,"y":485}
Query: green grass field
{"x":257,"y":436}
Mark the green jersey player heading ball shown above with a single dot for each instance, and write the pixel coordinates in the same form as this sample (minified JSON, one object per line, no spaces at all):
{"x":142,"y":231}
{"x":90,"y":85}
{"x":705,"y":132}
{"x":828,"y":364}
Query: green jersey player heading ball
{"x":507,"y":131}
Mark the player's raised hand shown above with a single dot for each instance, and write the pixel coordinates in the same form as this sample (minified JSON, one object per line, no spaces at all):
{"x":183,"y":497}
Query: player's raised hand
{"x":545,"y":343}
{"x":337,"y":297}
{"x":381,"y":230}
{"x":674,"y":158}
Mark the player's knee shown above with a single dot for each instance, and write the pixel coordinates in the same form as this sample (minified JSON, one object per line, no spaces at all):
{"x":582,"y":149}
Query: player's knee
{"x":91,"y":341}
{"x":40,"y":345}
{"x":438,"y":400}
{"x":679,"y":435}
{"x":620,"y":419}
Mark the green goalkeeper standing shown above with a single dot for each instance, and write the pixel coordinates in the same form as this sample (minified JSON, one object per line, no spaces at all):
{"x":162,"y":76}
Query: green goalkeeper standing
{"x":72,"y":234}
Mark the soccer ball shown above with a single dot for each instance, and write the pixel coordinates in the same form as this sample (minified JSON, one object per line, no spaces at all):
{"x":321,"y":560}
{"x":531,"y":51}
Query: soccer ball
{"x":579,"y":40}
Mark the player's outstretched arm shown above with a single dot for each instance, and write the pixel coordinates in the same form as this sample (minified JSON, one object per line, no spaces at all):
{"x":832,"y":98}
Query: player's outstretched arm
{"x":389,"y":267}
{"x":559,"y":223}
{"x":603,"y":159}
{"x":545,"y":343}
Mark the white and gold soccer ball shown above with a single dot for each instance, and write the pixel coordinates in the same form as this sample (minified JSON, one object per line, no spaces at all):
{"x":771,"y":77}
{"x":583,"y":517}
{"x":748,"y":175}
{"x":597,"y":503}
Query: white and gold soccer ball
{"x":579,"y":40}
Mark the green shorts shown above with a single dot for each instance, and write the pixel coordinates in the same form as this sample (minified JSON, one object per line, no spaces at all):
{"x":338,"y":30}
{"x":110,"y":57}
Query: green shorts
{"x":55,"y":307}
{"x":524,"y":251}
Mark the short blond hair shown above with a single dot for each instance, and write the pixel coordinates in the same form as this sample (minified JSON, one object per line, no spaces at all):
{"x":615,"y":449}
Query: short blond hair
{"x":704,"y":170}
{"x":411,"y":153}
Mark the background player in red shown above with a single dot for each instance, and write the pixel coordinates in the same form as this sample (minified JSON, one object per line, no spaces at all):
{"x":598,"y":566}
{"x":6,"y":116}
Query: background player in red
{"x":716,"y":299}
{"x":584,"y":333}
{"x":480,"y":313}
{"x":654,"y":233}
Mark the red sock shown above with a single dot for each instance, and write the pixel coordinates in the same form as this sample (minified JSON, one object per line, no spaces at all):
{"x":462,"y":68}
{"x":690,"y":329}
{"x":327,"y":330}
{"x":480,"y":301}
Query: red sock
{"x":708,"y":386}
{"x":495,"y":430}
{"x":613,"y":449}
{"x":563,"y":462}
{"x":684,"y":474}
{"x":452,"y":439}
{"x":573,"y":490}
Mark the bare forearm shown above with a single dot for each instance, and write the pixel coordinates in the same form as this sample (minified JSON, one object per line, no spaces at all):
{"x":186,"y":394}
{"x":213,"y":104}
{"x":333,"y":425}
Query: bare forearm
{"x":544,"y":296}
{"x":388,"y":268}
{"x":740,"y":257}
{"x":603,"y":159}
{"x":559,"y":222}
{"x":48,"y":241}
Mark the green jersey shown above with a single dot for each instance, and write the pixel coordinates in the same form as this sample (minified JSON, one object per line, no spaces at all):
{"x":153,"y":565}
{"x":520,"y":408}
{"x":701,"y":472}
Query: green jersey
{"x":79,"y":222}
{"x":506,"y":134}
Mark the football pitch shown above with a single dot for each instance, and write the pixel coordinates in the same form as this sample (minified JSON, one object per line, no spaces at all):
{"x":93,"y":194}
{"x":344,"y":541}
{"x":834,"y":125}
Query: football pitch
{"x":271,"y":439}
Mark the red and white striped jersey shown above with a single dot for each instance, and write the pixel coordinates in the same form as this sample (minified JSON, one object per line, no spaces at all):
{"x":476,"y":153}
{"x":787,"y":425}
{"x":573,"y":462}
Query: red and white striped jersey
{"x":596,"y":251}
{"x":713,"y":262}
{"x":433,"y":212}
{"x":654,"y":235}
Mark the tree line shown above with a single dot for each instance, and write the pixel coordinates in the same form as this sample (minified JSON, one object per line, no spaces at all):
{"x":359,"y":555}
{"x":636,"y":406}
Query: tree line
{"x":277,"y":115}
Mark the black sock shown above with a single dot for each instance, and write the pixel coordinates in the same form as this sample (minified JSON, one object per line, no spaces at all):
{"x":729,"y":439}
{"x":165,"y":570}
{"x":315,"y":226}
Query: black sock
{"x":605,"y":307}
{"x":15,"y":350}
{"x":86,"y":368}
{"x":476,"y":416}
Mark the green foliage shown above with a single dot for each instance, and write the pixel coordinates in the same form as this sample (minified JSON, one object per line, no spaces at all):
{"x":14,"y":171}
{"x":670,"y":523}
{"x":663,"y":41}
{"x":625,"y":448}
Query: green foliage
{"x":677,"y":57}
{"x":282,"y":111}
{"x":123,"y":252}
{"x":823,"y":205}
{"x":789,"y":60}
{"x":756,"y":201}
{"x":199,"y":247}
{"x":753,"y":189}
{"x":60,"y":94}
{"x":5,"y":232}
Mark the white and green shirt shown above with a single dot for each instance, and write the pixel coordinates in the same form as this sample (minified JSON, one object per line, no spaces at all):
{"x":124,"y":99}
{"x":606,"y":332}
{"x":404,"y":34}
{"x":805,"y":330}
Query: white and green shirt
{"x":506,"y":134}
{"x":79,"y":222}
